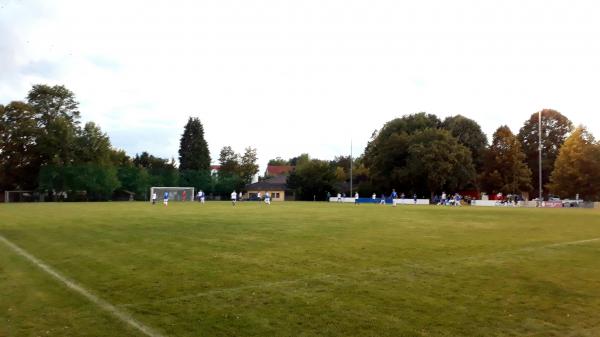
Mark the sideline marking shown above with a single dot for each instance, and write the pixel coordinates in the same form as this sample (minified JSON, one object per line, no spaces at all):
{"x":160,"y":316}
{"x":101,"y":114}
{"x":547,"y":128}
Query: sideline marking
{"x":121,"y":315}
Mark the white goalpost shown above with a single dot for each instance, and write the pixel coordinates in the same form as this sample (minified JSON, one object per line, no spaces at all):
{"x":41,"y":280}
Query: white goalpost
{"x":175,"y":193}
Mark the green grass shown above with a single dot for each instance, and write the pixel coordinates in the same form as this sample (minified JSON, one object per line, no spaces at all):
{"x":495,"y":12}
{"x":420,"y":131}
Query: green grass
{"x":301,"y":269}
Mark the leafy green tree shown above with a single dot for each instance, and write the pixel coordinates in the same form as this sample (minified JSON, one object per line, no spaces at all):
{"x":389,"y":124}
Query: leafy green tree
{"x":248,"y":165}
{"x":18,"y":153}
{"x":278,"y":162}
{"x":469,"y":134}
{"x":229,"y":161}
{"x":437,"y":162}
{"x":162,"y":171}
{"x":312,"y":178}
{"x":199,"y":179}
{"x":92,"y":145}
{"x":386,"y":155}
{"x":505,"y":168}
{"x":57,"y":115}
{"x":555,"y":129}
{"x":193,"y":148}
{"x":577,"y":167}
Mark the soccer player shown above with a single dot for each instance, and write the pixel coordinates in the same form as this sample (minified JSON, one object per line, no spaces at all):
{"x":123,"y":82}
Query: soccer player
{"x":443,"y":201}
{"x":356,"y":198}
{"x":415,"y":198}
{"x":268,"y":198}
{"x":153,"y":198}
{"x":233,"y":198}
{"x":201,"y":196}
{"x":394,"y":197}
{"x":183,"y":196}
{"x":166,"y":198}
{"x":339,"y":197}
{"x":382,"y":201}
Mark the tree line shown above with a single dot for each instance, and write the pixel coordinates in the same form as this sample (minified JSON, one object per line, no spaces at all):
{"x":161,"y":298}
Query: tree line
{"x":44,"y":148}
{"x":421,"y":154}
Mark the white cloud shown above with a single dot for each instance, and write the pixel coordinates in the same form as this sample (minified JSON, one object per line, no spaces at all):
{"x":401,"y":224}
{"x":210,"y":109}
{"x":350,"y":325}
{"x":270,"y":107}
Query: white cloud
{"x":302,"y":76}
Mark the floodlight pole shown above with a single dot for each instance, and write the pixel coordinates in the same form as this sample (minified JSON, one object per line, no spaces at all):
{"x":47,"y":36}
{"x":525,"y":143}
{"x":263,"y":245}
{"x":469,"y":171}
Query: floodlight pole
{"x":540,"y":155}
{"x":351,"y":167}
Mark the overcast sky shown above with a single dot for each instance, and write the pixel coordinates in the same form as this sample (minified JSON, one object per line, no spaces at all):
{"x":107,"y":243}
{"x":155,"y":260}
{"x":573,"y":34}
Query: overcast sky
{"x":289,"y":77}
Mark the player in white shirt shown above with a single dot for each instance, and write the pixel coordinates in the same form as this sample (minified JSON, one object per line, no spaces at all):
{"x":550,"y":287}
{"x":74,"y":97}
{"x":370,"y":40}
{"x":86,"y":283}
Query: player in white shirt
{"x":356,"y":198}
{"x":339,"y":197}
{"x":233,"y":198}
{"x":268,"y":198}
{"x":201,"y":196}
{"x":153,"y":198}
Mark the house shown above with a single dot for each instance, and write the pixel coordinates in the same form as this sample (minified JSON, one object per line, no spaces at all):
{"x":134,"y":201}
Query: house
{"x":278,"y":170}
{"x":276,"y":186}
{"x":214,"y":169}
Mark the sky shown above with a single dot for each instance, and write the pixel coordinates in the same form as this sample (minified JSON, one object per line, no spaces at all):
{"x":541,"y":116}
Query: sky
{"x":291,"y":77}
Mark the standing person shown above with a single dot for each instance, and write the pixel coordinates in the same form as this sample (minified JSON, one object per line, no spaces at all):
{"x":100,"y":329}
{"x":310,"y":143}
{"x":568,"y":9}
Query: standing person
{"x":356,"y":197}
{"x":202,"y":196}
{"x":415,"y":198}
{"x":166,"y":198}
{"x":374,"y":197}
{"x":240,"y":196}
{"x":183,"y":195}
{"x":394,"y":197}
{"x":339,"y":197}
{"x":233,"y":198}
{"x":382,"y":201}
{"x":153,"y":198}
{"x":268,"y":198}
{"x":198,"y":195}
{"x":443,"y":201}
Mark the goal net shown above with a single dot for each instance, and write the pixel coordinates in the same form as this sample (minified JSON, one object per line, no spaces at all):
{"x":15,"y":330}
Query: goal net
{"x":175,"y":193}
{"x":19,"y":196}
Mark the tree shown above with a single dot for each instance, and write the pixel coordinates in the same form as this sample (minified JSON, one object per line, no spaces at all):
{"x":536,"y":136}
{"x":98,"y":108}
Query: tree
{"x":576,"y":170}
{"x":162,"y":171}
{"x":505,"y":169}
{"x":229,"y":161}
{"x":18,"y":153}
{"x":248,"y":165}
{"x":469,"y":134}
{"x":92,"y":145}
{"x":555,"y":129}
{"x":437,"y":162}
{"x":193,"y":149}
{"x":57,"y":116}
{"x":386,"y":155}
{"x":312,"y":178}
{"x":278,"y":162}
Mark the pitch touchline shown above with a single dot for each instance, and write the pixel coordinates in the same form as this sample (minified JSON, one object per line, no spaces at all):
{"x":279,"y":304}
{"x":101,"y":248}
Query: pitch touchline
{"x":121,"y":315}
{"x":339,"y":275}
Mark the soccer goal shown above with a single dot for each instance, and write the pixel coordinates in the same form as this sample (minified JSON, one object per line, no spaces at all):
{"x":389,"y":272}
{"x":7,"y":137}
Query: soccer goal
{"x":19,"y":196}
{"x":175,"y":193}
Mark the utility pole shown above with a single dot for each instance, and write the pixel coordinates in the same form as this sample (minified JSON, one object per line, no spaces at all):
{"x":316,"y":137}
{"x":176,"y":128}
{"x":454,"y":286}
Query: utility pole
{"x":540,"y":155}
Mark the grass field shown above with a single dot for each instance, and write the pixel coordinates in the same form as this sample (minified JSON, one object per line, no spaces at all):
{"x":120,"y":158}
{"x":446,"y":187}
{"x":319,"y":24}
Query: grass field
{"x":301,"y":269}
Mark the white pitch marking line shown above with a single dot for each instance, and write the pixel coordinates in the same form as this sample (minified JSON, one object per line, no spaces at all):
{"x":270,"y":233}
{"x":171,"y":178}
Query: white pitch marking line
{"x":121,"y":315}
